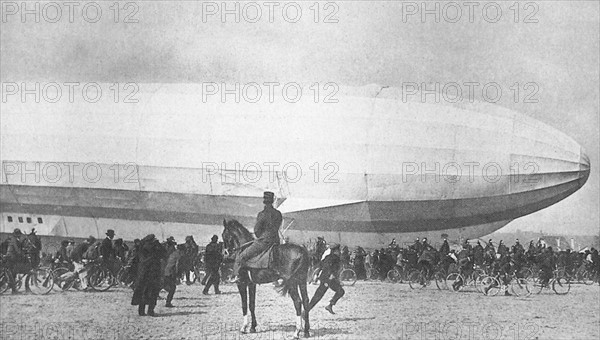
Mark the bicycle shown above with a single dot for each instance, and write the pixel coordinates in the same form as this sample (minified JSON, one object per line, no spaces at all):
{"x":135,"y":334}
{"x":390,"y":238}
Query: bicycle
{"x":347,"y":276}
{"x":100,"y":278}
{"x":491,"y":285}
{"x":38,"y":281}
{"x":459,"y":281}
{"x":560,"y":284}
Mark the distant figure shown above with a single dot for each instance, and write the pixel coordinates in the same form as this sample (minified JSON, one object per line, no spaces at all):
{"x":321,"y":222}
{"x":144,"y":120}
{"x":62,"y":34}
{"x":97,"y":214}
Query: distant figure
{"x":328,"y":277}
{"x":147,"y":281}
{"x":189,"y":259}
{"x":120,"y":250}
{"x":172,"y":271}
{"x":32,"y":247}
{"x":106,"y":248}
{"x":77,"y":256}
{"x":212,"y":259}
{"x":14,"y":256}
{"x":445,"y":248}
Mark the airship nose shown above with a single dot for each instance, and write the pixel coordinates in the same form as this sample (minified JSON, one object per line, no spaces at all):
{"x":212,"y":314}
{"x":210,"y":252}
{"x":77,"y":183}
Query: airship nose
{"x":584,"y":167}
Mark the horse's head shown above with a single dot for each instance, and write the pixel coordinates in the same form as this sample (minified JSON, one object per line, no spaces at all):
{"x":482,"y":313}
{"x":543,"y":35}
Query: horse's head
{"x":228,"y":237}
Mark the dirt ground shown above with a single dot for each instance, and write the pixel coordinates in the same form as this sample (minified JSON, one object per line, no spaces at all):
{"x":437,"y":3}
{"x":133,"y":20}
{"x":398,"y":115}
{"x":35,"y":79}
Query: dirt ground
{"x":370,"y":310}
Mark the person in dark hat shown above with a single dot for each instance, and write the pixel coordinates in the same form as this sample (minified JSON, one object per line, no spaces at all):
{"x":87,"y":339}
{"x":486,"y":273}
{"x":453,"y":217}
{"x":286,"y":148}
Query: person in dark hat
{"x":170,"y":245}
{"x":106,"y":248}
{"x":266,"y":231}
{"x":14,"y":256}
{"x":172,"y":271}
{"x":212,"y":258}
{"x":328,"y":277}
{"x":148,"y":276}
{"x":61,"y":256}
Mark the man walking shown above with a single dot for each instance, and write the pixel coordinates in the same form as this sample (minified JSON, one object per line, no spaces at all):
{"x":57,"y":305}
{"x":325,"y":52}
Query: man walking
{"x":213,"y":258}
{"x":172,"y":270}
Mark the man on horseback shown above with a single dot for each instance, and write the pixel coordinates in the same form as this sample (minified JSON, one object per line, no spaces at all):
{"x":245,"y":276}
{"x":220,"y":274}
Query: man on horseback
{"x":266,"y":230}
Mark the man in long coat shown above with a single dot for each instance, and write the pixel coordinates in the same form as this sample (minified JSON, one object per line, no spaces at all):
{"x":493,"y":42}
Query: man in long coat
{"x":213,"y":259}
{"x":148,"y":278}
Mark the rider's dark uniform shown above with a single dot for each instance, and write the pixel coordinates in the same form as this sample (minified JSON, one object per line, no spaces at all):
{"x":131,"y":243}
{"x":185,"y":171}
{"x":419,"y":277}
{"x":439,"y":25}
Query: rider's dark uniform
{"x":330,"y":267}
{"x":266,"y":230}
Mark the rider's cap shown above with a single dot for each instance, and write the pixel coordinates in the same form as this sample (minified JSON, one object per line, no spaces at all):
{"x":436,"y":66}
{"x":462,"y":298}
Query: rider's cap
{"x":214,"y":238}
{"x":17,"y":231}
{"x":268,"y":196}
{"x":110,"y":232}
{"x":171,"y":239}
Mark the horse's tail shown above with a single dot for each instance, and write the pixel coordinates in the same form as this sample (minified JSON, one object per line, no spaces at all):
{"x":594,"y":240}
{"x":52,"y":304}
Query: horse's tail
{"x":299,"y":266}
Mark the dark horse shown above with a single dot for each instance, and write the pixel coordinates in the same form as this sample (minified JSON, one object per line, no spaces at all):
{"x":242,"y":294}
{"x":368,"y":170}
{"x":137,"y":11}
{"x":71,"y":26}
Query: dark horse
{"x":291,"y":263}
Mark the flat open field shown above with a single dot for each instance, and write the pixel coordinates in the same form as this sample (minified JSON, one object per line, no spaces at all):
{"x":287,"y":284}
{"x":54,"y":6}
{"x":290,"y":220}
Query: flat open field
{"x":370,"y":310}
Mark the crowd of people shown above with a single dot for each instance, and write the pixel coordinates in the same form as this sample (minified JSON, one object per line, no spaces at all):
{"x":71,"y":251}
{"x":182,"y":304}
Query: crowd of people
{"x":150,"y":264}
{"x":500,"y":260}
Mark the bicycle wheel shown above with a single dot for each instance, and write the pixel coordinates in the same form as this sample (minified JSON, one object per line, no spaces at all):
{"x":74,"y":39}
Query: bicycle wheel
{"x":440,"y":281}
{"x":60,"y":278}
{"x":416,"y":280}
{"x":490,"y":286}
{"x":4,"y":280}
{"x":586,"y":278}
{"x":520,"y":287}
{"x":561,"y":285}
{"x":348,"y":277}
{"x":39,"y":281}
{"x":536,"y":285}
{"x":100,"y":279}
{"x":455,"y":282}
{"x":394,"y":276}
{"x":124,"y":278}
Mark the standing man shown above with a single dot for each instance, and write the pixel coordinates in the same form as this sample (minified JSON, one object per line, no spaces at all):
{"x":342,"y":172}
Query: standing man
{"x":172,"y":270}
{"x":329,"y":279}
{"x":191,"y":254}
{"x":14,"y":256}
{"x":147,"y":280}
{"x":213,"y":258}
{"x":106,"y":248}
{"x":266,"y":231}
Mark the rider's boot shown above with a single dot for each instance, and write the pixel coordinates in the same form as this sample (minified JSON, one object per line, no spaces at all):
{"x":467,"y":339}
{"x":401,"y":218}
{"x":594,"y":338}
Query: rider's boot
{"x":151,"y":310}
{"x":329,"y":308}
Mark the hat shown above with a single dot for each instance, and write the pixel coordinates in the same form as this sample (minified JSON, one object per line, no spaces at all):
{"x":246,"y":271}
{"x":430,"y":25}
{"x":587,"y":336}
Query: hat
{"x":171,"y":239}
{"x":334,"y":246}
{"x":17,"y":231}
{"x":214,"y":238}
{"x":110,"y":232}
{"x":91,"y":239}
{"x":268,"y":197}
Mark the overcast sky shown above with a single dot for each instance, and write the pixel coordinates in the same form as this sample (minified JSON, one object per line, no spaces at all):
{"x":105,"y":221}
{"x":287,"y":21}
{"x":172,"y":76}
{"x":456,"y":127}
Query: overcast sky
{"x":372,"y":42}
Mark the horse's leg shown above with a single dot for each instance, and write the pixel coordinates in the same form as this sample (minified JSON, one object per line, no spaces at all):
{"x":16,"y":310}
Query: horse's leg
{"x":297,"y":304}
{"x":244,"y":295}
{"x":305,"y":305}
{"x":252,"y":293}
